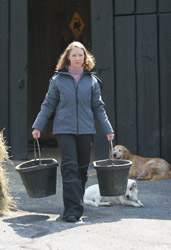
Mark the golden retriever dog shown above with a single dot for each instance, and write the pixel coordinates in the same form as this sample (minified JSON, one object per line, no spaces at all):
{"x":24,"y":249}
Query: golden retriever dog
{"x":143,"y":168}
{"x":93,"y":198}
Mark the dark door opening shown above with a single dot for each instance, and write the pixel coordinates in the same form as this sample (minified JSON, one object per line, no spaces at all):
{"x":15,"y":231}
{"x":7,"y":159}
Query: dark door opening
{"x":52,"y":25}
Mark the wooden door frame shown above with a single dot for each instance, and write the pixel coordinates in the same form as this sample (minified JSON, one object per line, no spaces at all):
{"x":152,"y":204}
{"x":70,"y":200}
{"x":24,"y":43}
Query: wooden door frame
{"x":18,"y":78}
{"x":103,"y":50}
{"x":4,"y":67}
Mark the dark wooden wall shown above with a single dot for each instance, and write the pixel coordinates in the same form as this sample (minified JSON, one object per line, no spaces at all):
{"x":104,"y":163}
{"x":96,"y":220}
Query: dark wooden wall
{"x":13,"y":75}
{"x":131,"y":43}
{"x":103,"y":50}
{"x":142,"y":59}
{"x":4,"y":66}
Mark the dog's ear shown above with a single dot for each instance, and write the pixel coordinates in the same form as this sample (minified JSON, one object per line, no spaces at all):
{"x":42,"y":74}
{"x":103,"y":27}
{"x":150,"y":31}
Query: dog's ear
{"x":134,"y":184}
{"x":126,"y":153}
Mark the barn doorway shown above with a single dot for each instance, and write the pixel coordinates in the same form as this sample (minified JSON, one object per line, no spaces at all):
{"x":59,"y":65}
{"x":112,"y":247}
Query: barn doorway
{"x":52,"y":24}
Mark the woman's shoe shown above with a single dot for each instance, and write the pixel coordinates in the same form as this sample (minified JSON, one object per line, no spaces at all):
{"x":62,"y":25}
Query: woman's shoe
{"x":70,"y":218}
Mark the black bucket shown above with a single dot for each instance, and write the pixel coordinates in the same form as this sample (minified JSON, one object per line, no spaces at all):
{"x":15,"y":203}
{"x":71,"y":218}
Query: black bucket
{"x":39,"y":176}
{"x":112,"y":176}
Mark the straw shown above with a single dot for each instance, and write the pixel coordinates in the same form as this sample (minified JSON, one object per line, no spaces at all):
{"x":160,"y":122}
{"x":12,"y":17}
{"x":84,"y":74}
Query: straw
{"x":6,"y":201}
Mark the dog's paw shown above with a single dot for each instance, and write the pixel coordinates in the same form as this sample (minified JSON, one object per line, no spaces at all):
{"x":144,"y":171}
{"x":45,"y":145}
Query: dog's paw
{"x":135,"y":204}
{"x":110,"y":204}
{"x":140,"y":203}
{"x":105,"y":204}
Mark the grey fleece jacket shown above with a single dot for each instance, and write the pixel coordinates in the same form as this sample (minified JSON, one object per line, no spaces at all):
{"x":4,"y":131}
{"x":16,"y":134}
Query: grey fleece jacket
{"x":75,"y":105}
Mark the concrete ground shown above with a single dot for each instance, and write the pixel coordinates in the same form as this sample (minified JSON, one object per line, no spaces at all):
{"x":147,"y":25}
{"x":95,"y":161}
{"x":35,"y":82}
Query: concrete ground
{"x":37,"y":223}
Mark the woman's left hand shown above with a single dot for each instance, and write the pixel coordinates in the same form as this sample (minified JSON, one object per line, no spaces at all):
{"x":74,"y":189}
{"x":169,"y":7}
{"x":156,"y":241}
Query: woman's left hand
{"x":110,"y":137}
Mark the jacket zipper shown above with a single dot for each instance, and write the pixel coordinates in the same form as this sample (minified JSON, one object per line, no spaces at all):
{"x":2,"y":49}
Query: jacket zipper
{"x":76,"y":92}
{"x":77,"y":107}
{"x":77,"y":84}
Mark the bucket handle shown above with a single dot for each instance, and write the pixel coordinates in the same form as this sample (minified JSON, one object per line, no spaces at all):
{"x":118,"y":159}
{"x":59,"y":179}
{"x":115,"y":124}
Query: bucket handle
{"x":38,"y":146}
{"x":110,"y":150}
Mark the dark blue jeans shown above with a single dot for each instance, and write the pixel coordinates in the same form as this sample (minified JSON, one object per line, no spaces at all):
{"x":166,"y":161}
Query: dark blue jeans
{"x":75,"y":157}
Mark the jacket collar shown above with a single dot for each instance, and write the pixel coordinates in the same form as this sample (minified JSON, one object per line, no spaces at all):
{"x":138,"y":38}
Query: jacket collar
{"x":65,"y":72}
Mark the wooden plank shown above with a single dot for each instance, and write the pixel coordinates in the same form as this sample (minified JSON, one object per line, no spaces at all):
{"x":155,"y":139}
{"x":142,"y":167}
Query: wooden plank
{"x":147,"y":86}
{"x":164,"y":5}
{"x":124,"y":7}
{"x":145,"y":6}
{"x":18,"y":78}
{"x":125,"y":77}
{"x":102,"y":48}
{"x":4,"y":43}
{"x":165,"y":84}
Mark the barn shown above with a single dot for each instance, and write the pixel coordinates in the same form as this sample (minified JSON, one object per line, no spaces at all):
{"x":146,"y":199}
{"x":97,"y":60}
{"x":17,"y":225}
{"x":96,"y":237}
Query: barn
{"x":131,"y":41}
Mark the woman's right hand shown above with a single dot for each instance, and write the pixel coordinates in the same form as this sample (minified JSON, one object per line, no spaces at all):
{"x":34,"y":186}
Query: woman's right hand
{"x":36,"y":133}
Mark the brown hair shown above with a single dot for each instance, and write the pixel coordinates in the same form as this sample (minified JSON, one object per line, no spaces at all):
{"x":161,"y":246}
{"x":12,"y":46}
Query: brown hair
{"x":63,"y":61}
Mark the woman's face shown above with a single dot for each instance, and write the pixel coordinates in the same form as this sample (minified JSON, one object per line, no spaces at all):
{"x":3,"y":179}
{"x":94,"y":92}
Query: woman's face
{"x":76,"y":58}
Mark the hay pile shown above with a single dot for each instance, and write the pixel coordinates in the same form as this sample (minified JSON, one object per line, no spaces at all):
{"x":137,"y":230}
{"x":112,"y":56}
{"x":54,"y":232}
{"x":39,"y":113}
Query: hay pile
{"x":6,"y":201}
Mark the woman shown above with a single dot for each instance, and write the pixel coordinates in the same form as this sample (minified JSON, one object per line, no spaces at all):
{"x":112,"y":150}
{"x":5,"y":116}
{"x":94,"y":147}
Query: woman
{"x":74,"y":95}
